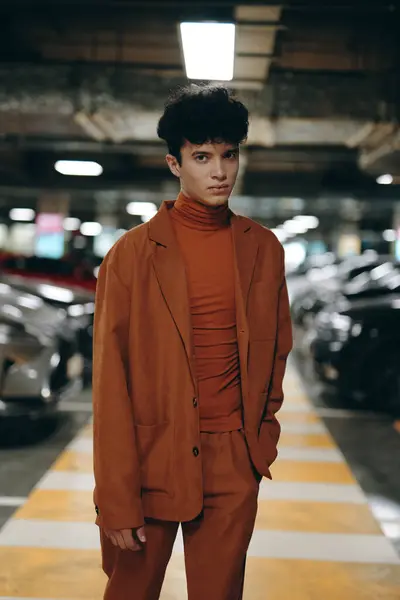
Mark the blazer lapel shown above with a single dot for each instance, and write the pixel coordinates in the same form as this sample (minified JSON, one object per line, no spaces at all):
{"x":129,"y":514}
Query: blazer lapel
{"x":246,"y":249}
{"x":171,"y":275}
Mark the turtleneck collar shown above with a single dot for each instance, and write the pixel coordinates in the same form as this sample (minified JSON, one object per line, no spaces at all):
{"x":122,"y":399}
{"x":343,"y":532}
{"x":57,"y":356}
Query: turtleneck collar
{"x":200,"y":216}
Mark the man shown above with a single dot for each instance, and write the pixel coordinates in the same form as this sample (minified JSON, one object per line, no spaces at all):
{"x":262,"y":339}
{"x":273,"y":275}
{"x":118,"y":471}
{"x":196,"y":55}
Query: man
{"x":192,"y":333}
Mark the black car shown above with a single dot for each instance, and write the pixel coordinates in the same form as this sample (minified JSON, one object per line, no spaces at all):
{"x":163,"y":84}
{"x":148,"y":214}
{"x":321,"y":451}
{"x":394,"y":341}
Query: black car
{"x":356,"y":346}
{"x":372,"y":280}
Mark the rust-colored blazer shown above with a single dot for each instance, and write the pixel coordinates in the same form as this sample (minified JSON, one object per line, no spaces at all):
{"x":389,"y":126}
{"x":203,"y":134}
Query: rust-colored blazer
{"x":146,"y":425}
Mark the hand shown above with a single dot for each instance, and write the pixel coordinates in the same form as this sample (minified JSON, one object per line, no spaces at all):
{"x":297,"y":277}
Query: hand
{"x":125,"y":538}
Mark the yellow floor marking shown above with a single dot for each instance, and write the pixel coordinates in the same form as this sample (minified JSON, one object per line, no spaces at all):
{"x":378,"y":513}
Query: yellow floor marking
{"x":297,"y":417}
{"x":40,"y":573}
{"x":317,"y":580}
{"x":48,"y":573}
{"x":306,"y":441}
{"x":316,"y":517}
{"x":74,"y":461}
{"x":311,"y":472}
{"x":87,"y":432}
{"x":58,"y":505}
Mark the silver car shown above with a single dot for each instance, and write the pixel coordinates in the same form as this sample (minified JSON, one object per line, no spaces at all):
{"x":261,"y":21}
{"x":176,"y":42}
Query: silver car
{"x":39,"y":358}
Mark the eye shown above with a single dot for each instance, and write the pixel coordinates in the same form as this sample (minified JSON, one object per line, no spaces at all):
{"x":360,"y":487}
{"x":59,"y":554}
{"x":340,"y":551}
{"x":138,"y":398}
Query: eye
{"x":202,"y":158}
{"x":232,"y":154}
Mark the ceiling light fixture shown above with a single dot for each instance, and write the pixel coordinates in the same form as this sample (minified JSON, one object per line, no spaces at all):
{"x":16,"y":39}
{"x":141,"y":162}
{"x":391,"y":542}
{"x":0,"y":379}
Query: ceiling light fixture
{"x":141,"y":209}
{"x":71,"y":224}
{"x":389,"y":235}
{"x":22,"y":214}
{"x":308,"y":221}
{"x":91,"y":229}
{"x":385,"y":179}
{"x":294,"y":227}
{"x":280,"y":234}
{"x":79,"y":168}
{"x":209,"y":50}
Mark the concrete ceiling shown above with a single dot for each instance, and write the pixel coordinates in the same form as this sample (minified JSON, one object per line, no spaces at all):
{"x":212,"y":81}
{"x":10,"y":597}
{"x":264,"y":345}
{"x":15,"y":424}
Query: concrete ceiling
{"x":88,"y":80}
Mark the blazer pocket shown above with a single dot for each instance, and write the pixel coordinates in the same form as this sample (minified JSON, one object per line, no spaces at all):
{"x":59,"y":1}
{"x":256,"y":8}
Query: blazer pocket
{"x":154,"y":444}
{"x":267,"y":445}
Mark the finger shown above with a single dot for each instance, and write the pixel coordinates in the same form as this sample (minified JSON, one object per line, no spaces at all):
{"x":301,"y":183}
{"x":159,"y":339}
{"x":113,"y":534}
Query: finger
{"x":128,"y":539}
{"x":141,"y":534}
{"x":113,"y":539}
{"x":120,"y":540}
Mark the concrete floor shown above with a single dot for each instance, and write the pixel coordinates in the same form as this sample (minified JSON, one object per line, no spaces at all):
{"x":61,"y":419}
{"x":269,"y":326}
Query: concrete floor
{"x":327,"y":525}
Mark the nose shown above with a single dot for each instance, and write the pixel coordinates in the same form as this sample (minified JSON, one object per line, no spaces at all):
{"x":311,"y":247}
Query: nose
{"x":219,"y":172}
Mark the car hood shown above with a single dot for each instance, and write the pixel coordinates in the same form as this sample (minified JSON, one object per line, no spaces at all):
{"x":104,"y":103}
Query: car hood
{"x":368,"y":306}
{"x":28,"y":310}
{"x":52,"y":293}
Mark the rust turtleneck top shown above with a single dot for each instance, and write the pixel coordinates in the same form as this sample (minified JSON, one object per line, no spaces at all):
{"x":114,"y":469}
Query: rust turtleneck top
{"x":205,"y":239}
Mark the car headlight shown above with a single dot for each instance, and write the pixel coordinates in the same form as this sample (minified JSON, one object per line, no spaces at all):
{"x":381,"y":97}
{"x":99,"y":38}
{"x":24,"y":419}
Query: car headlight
{"x":345,"y":326}
{"x":76,"y":310}
{"x":341,"y":322}
{"x":323,"y":319}
{"x":356,"y":329}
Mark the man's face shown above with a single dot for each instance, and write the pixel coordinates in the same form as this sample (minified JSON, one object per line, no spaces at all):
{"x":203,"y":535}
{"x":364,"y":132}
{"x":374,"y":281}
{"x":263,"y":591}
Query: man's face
{"x":207,"y":172}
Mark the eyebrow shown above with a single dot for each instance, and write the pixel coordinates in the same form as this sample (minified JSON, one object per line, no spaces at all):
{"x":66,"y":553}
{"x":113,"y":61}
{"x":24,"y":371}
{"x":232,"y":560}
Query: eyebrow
{"x":201,"y":152}
{"x":204,"y":152}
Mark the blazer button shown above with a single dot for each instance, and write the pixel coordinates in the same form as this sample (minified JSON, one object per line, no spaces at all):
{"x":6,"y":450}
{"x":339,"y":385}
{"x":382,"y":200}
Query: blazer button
{"x":196,"y":451}
{"x":195,"y":402}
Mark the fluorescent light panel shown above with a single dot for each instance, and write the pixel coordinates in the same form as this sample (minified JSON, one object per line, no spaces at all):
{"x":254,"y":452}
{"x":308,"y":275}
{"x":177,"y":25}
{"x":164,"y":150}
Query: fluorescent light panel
{"x":71,"y":224}
{"x":141,"y":209}
{"x":22,"y":214}
{"x":385,"y":179}
{"x":82,"y":168}
{"x":389,"y":235}
{"x":91,"y":228}
{"x":209,"y":50}
{"x":295,"y":227}
{"x":308,"y":221}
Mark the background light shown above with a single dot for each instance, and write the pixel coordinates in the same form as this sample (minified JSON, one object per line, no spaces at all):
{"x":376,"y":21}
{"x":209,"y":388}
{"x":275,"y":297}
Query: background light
{"x":209,"y":50}
{"x":91,"y":229}
{"x":71,"y":224}
{"x":141,"y":209}
{"x":280,"y":234}
{"x":308,"y":221}
{"x":294,"y":227}
{"x":22,"y":214}
{"x":389,"y":235}
{"x":385,"y":179}
{"x":82,"y":168}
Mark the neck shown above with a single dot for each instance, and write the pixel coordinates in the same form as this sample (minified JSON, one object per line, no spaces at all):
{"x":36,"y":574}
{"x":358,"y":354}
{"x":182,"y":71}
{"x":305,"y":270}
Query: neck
{"x":197,"y":215}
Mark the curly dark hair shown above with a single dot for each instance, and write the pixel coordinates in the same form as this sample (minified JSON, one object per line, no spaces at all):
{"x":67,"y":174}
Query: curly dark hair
{"x":201,"y":114}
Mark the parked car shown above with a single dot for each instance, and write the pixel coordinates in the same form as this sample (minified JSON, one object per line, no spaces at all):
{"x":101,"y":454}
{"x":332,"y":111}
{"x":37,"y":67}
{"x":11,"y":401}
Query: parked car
{"x":59,"y":271}
{"x":39,"y":358}
{"x":367,"y":281}
{"x":77,"y":304}
{"x":355,"y":346}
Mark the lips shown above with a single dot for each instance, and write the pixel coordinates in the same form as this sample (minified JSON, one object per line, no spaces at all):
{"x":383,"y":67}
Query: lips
{"x":219,"y":187}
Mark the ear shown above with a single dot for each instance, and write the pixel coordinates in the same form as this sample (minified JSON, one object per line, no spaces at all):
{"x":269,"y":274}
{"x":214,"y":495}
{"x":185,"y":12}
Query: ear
{"x":173,"y":164}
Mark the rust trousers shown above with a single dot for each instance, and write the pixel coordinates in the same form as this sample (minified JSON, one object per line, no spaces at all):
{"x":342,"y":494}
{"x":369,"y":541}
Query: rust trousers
{"x":215,"y":543}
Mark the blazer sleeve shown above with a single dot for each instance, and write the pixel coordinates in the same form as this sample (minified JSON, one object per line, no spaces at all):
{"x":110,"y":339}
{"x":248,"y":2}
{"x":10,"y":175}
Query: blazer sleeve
{"x":117,"y":494}
{"x":284,"y":343}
